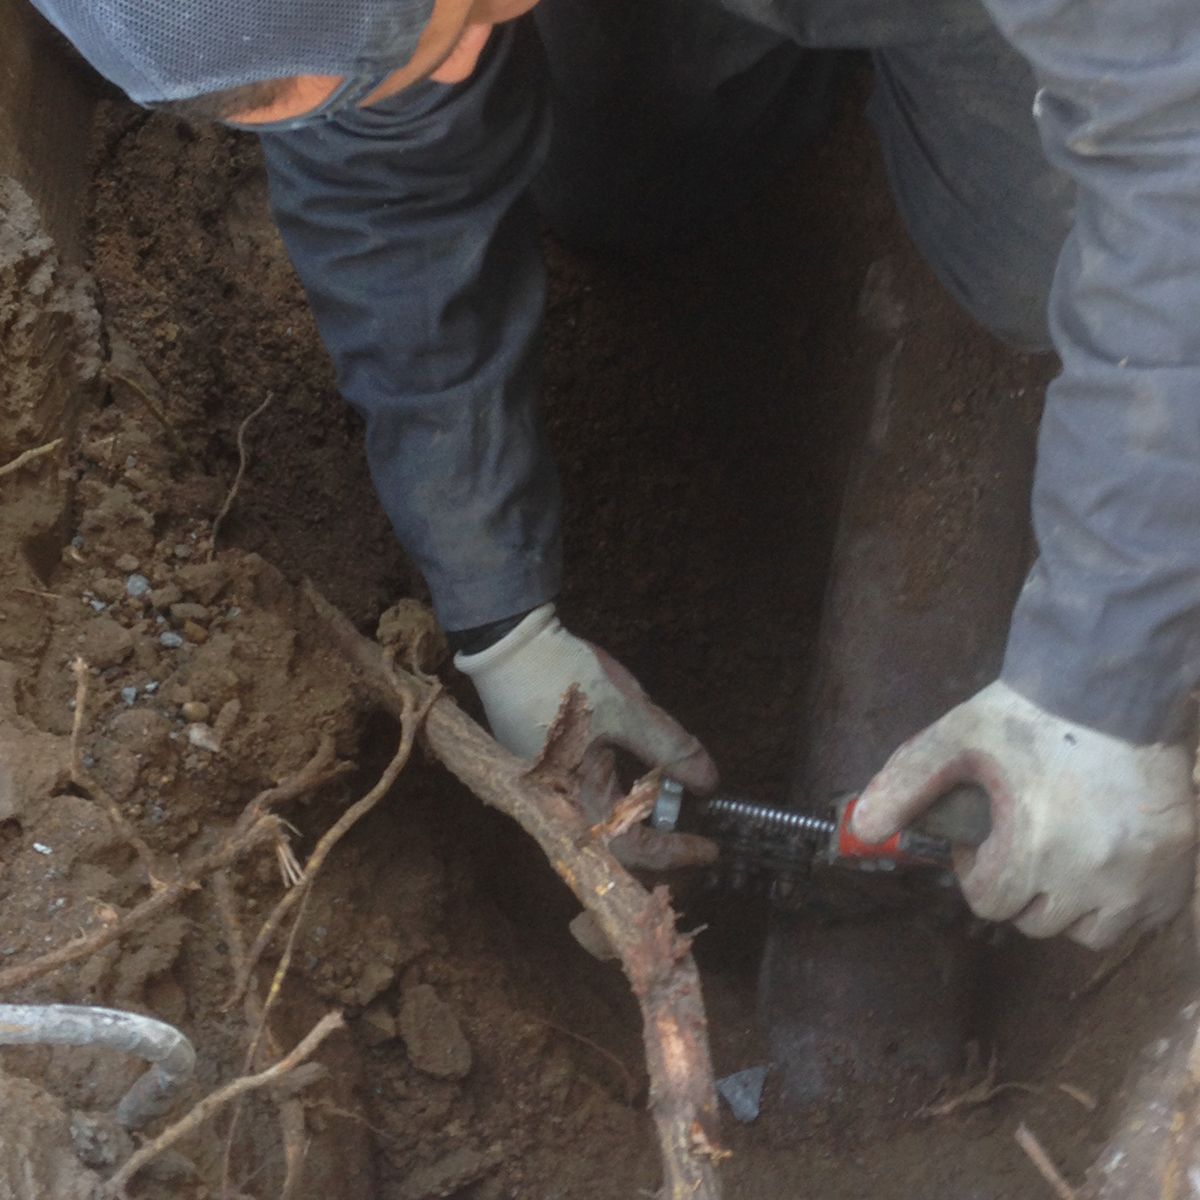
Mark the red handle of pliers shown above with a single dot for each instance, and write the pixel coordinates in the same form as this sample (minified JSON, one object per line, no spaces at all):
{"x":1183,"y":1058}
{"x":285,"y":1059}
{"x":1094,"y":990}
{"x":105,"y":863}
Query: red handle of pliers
{"x":895,"y":849}
{"x":962,"y":816}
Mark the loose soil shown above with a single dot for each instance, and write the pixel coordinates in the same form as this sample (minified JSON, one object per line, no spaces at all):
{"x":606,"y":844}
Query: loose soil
{"x":704,"y":406}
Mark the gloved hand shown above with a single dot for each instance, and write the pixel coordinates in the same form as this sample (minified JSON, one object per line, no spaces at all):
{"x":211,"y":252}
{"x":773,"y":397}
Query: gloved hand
{"x":1091,"y":835}
{"x":521,"y":681}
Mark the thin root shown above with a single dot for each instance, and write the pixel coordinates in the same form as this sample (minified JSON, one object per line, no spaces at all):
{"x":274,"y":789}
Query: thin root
{"x":256,"y":825}
{"x":156,"y":411}
{"x":1028,"y":1142}
{"x":983,"y":1092}
{"x":215,"y":1101}
{"x":410,"y":723}
{"x":28,"y":456}
{"x":231,"y":496}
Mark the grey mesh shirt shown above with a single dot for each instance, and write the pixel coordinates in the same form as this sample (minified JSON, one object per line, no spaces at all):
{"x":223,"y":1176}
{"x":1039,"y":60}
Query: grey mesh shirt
{"x":157,"y":50}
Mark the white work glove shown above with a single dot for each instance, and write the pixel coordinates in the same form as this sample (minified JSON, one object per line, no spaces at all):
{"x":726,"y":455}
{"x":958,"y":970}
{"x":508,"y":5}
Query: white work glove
{"x":521,"y":681}
{"x":1091,"y":835}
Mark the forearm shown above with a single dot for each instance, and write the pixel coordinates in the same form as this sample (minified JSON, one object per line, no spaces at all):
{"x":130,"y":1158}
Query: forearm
{"x":1107,"y":630}
{"x":410,"y":227}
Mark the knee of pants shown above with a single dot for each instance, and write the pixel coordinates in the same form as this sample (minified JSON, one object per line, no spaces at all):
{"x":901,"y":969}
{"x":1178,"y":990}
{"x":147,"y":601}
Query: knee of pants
{"x":979,"y":198}
{"x":1010,"y":305}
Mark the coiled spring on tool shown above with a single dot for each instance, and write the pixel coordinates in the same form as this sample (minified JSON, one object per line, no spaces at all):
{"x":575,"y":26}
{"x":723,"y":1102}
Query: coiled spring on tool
{"x":771,"y":820}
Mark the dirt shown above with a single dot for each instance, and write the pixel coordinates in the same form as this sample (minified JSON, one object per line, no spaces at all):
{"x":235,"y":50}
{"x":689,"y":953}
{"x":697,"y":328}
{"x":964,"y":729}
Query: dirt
{"x":704,"y":406}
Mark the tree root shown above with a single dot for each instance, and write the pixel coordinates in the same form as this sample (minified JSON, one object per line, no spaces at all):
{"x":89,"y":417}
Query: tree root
{"x":1027,"y":1140}
{"x":291,"y":1114}
{"x":411,"y":720}
{"x":639,"y":925}
{"x":243,"y":459}
{"x":28,"y":456}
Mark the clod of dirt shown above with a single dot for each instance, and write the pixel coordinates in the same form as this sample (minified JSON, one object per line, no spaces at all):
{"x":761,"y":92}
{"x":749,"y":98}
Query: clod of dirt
{"x":377,"y":1025}
{"x":204,"y":581}
{"x":42,"y":305}
{"x":448,"y":1175}
{"x":99,"y":1141}
{"x":432,"y":1035}
{"x":37,"y":1159}
{"x":104,"y":643}
{"x":33,"y":764}
{"x":411,"y":631}
{"x":376,"y":978}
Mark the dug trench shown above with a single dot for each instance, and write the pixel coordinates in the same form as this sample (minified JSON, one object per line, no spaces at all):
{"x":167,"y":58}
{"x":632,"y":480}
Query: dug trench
{"x":704,"y":406}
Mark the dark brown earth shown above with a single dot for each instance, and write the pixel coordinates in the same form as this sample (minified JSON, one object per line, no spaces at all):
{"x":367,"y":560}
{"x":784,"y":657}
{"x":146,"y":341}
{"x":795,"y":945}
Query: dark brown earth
{"x":704,"y":407}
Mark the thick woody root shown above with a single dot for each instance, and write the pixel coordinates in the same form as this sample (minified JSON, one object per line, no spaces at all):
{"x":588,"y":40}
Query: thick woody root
{"x":639,"y":925}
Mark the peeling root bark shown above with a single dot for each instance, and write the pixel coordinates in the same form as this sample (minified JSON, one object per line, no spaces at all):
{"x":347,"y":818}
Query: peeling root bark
{"x":639,"y":925}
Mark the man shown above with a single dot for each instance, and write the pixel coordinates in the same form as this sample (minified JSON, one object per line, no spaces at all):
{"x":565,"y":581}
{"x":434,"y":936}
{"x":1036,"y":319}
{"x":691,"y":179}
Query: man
{"x":403,"y":137}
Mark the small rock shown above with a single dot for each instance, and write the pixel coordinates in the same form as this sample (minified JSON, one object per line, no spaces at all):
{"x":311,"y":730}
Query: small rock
{"x":591,"y":937}
{"x":228,"y":718}
{"x":129,"y":695}
{"x":128,"y":563}
{"x":171,"y":640}
{"x":181,"y":550}
{"x":448,"y":1176}
{"x":166,"y":595}
{"x":98,"y":1140}
{"x":143,"y":481}
{"x":97,"y":605}
{"x":377,"y":1025}
{"x":137,"y":585}
{"x":189,"y":611}
{"x":195,"y":633}
{"x":171,"y":1167}
{"x":104,"y":643}
{"x":204,"y":581}
{"x":742,"y":1091}
{"x":108,"y":588}
{"x":432,"y":1035}
{"x":195,"y":712}
{"x":202,"y":737}
{"x":376,"y":977}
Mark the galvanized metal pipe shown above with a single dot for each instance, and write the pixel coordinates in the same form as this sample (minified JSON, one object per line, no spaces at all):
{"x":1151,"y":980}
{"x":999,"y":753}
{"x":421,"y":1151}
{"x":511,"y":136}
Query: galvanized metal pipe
{"x":170,"y":1052}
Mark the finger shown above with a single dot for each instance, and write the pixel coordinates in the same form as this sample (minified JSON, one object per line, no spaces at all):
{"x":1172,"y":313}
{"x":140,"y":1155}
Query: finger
{"x":631,"y":720}
{"x":912,"y":779}
{"x":599,"y":786}
{"x":1046,"y":916}
{"x":1099,"y":930}
{"x":644,"y":849}
{"x":1000,"y":885}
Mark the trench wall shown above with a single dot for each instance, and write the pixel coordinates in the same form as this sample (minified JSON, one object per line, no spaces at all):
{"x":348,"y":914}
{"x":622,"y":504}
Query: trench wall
{"x":46,"y":102}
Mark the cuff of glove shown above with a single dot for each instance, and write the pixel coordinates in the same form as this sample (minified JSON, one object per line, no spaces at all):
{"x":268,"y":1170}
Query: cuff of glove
{"x":509,"y":645}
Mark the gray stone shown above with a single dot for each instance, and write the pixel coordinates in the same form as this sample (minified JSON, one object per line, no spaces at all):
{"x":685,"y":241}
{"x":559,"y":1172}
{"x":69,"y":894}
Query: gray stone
{"x":449,"y":1175}
{"x":432,"y":1035}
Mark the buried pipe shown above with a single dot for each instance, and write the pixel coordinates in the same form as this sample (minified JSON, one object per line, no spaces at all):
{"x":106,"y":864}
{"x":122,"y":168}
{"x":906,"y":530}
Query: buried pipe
{"x":171,"y":1054}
